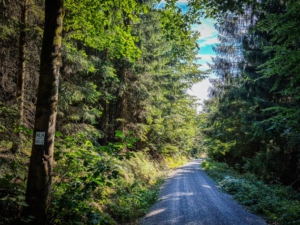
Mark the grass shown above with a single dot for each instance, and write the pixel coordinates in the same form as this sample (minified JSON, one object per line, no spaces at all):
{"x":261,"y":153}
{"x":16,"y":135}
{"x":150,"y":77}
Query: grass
{"x":174,"y":162}
{"x":276,"y":203}
{"x":132,"y":194}
{"x":137,"y":190}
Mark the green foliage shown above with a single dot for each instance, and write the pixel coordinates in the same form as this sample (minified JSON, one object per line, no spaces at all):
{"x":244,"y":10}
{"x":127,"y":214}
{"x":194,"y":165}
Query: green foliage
{"x":283,"y":68}
{"x":133,"y":204}
{"x":275,"y":202}
{"x":92,"y":184}
{"x":80,"y":169}
{"x":137,"y":189}
{"x":78,"y":59}
{"x":12,"y":185}
{"x":12,"y":197}
{"x":123,"y":111}
{"x":101,"y":25}
{"x":8,"y":120}
{"x":158,"y":110}
{"x":101,"y":184}
{"x":175,"y":161}
{"x":252,"y":116}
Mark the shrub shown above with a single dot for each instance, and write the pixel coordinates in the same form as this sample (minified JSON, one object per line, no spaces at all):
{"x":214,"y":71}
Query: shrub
{"x":275,"y":202}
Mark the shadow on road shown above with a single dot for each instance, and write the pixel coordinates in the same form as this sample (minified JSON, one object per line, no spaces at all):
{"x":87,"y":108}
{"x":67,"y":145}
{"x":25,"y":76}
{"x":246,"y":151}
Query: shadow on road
{"x":189,"y":197}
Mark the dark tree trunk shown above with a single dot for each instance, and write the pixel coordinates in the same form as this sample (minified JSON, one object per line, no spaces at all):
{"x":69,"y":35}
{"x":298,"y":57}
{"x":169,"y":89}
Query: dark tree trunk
{"x":22,"y":67}
{"x":40,"y":169}
{"x":123,"y":100}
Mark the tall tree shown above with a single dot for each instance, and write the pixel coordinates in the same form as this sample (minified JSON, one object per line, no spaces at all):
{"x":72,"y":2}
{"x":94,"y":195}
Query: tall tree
{"x":41,"y":160}
{"x":224,"y":118}
{"x":20,"y":90}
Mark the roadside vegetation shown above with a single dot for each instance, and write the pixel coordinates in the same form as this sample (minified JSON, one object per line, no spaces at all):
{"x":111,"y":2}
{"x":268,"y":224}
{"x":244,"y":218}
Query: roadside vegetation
{"x":90,"y":188}
{"x":278,"y":204}
{"x":94,"y":109}
{"x":94,"y":104}
{"x":250,"y":123}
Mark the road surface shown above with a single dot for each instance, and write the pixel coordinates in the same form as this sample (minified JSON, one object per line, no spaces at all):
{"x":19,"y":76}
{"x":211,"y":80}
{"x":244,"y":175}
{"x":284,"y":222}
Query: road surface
{"x":189,"y":197}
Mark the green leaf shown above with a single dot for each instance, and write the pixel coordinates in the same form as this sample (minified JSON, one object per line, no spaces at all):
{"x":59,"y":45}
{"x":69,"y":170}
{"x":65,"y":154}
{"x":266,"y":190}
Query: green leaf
{"x":58,"y":134}
{"x":23,"y":204}
{"x":119,"y":134}
{"x":88,"y":143}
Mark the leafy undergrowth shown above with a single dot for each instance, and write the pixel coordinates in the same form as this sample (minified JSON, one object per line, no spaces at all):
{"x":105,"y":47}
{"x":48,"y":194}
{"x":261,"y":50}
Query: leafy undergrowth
{"x":90,"y":185}
{"x":132,"y":195}
{"x":117,"y":192}
{"x":134,"y":191}
{"x":174,"y":162}
{"x":276,"y":203}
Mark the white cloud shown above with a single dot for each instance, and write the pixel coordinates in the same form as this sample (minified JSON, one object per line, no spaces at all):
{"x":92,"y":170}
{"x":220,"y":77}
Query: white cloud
{"x":204,"y":67}
{"x":206,"y":30}
{"x":208,"y":34}
{"x":205,"y":57}
{"x":200,"y":90}
{"x":208,"y":41}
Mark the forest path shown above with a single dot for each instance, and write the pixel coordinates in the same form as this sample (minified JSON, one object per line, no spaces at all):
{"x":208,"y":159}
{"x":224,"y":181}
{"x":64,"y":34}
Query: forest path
{"x":189,"y":197}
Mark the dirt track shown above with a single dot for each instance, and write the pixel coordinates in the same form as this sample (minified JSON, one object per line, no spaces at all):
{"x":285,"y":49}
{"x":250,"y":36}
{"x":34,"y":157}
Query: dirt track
{"x":189,"y":197}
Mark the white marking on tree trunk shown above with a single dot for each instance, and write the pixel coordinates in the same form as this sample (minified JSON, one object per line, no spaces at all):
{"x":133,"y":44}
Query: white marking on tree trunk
{"x":39,"y":138}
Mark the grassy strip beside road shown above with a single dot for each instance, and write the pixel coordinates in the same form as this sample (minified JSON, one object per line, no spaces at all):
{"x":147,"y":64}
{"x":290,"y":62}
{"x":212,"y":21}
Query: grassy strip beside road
{"x":137,"y":188}
{"x":276,"y":203}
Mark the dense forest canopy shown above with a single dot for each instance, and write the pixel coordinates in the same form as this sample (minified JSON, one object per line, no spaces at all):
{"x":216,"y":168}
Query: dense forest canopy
{"x":251,"y":120}
{"x":88,"y":84}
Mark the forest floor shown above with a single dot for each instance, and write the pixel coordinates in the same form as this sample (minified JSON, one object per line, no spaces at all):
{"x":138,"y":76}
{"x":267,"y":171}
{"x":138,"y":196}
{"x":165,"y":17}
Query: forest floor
{"x":190,"y":197}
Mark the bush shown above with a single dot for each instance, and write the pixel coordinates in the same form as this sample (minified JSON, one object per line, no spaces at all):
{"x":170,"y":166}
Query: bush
{"x":136,"y":189}
{"x":92,"y":184}
{"x":274,"y":202}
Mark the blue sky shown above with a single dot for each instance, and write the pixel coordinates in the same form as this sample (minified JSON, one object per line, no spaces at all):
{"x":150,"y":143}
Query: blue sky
{"x":208,"y":38}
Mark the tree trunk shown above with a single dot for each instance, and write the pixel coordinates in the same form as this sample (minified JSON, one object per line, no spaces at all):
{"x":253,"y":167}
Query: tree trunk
{"x":124,"y":104}
{"x":40,"y":168}
{"x":121,"y":104}
{"x":22,"y":67}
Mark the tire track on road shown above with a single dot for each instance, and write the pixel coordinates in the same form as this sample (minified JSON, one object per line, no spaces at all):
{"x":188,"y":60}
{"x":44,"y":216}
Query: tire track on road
{"x":190,"y":197}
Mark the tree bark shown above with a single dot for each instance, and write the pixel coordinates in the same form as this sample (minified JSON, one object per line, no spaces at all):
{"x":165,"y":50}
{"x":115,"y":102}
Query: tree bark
{"x":22,"y":67}
{"x":39,"y":183}
{"x":124,"y":102}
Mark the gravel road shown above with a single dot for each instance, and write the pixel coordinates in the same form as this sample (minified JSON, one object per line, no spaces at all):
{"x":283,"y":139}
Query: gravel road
{"x":189,"y":197}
